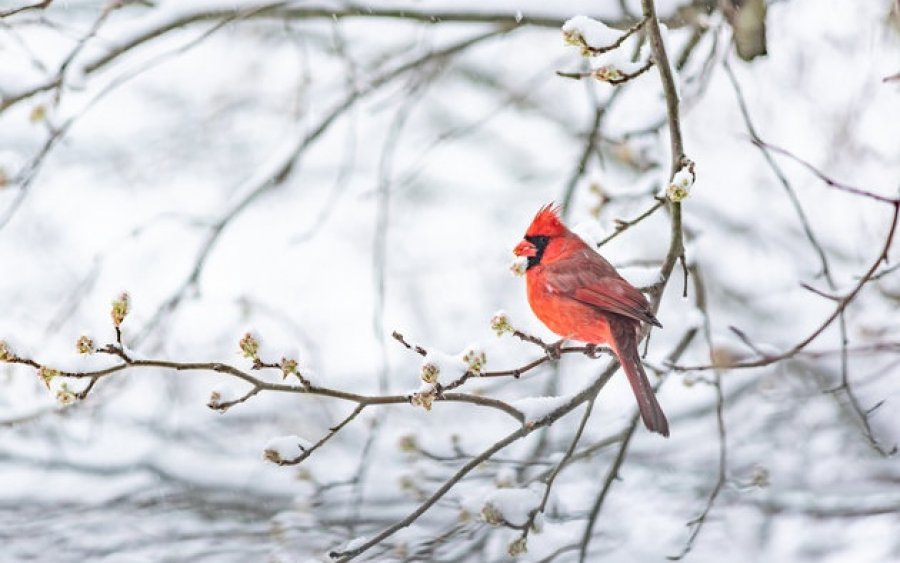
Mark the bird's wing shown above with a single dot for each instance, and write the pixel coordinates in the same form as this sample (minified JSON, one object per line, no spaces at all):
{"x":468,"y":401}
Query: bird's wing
{"x":590,"y":279}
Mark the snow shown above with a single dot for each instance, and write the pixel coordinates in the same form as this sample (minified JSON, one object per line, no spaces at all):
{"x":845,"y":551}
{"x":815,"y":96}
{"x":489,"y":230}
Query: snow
{"x":425,"y":388}
{"x":595,"y":34}
{"x":680,"y":186}
{"x":130,"y":195}
{"x":618,"y":59}
{"x":225,"y":394}
{"x":537,"y":408}
{"x":448,"y":366}
{"x":589,"y":231}
{"x":355,"y":542}
{"x":512,"y":505}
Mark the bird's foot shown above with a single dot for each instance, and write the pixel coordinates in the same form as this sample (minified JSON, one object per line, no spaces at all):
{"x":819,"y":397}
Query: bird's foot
{"x":554,"y":351}
{"x":595,"y":351}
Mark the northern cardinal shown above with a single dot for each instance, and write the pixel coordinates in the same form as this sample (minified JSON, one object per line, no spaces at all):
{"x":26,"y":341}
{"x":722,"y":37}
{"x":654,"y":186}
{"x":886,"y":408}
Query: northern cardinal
{"x":579,"y":295}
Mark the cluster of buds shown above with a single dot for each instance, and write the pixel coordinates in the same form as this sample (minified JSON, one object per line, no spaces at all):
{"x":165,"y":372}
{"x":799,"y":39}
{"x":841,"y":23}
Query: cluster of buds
{"x":724,"y":357}
{"x":408,"y":444}
{"x":424,"y":397}
{"x":215,"y":402}
{"x":759,"y":477}
{"x":249,"y":346}
{"x":272,"y":455}
{"x":38,"y":114}
{"x":517,"y":547}
{"x":47,"y":374}
{"x":6,"y":354}
{"x":408,"y":484}
{"x":429,"y":372}
{"x":591,"y":36}
{"x":119,"y":309}
{"x":596,"y":188}
{"x":575,"y":38}
{"x":84,"y":345}
{"x":65,"y":396}
{"x":500,"y":323}
{"x":607,"y":73}
{"x":475,"y":359}
{"x":491,"y":515}
{"x":680,"y":186}
{"x":519,"y":266}
{"x":288,"y":367}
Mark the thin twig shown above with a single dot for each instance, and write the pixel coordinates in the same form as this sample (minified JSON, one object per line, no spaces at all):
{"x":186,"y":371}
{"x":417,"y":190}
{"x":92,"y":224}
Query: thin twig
{"x":696,"y":523}
{"x":331,"y":433}
{"x":623,"y":225}
{"x":611,"y":474}
{"x":36,"y":6}
{"x":529,"y":524}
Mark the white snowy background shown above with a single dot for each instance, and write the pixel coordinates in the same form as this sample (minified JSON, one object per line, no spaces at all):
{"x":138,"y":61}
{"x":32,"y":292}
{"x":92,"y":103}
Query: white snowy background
{"x":404,"y":197}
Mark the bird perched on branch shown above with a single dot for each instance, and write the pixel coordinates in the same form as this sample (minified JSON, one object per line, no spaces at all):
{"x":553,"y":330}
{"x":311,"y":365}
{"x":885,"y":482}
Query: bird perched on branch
{"x":580,"y":296}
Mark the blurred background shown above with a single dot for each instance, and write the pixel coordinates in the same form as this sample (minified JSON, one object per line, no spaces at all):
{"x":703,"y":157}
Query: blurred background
{"x":325,"y":173}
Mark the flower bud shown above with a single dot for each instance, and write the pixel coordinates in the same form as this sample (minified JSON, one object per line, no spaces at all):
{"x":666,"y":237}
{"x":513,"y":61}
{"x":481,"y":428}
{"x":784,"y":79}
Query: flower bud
{"x":491,"y":515}
{"x":84,"y":345}
{"x":518,"y":547}
{"x":429,"y":372}
{"x":6,"y":354}
{"x":47,"y":374}
{"x":119,"y":309}
{"x":288,"y":367}
{"x":64,"y":396}
{"x":424,"y":398}
{"x":249,"y":346}
{"x":500,"y":323}
{"x":607,"y":73}
{"x":519,"y":266}
{"x":475,"y":358}
{"x":759,"y":477}
{"x":408,"y":444}
{"x":682,"y":181}
{"x":38,"y":113}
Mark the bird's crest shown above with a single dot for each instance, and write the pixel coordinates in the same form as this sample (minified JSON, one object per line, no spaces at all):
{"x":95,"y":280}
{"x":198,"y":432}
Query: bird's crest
{"x":547,"y":222}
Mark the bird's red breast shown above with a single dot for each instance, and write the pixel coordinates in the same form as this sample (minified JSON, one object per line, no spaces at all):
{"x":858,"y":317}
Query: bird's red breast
{"x":580,"y":296}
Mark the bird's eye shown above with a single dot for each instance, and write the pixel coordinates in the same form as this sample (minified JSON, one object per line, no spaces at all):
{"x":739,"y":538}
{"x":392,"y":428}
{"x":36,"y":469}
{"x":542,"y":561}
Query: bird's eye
{"x":539,"y":242}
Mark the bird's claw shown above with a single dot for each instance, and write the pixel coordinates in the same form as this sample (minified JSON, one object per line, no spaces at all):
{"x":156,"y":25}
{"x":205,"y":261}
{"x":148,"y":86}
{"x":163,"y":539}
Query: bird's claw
{"x":554,"y":351}
{"x":595,"y":351}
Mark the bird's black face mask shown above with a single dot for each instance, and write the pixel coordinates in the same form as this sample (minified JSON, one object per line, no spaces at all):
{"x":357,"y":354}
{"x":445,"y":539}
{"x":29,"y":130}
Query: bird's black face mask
{"x":540,"y":245}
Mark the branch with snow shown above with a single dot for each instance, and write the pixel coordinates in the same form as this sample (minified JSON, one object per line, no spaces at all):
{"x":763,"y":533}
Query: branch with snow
{"x":602,"y":44}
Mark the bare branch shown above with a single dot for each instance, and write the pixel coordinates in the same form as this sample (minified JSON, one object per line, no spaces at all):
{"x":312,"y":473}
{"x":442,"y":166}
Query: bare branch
{"x":27,"y":7}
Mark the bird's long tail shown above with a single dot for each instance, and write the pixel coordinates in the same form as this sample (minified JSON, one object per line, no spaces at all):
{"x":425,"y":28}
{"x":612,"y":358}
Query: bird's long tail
{"x":625,"y":345}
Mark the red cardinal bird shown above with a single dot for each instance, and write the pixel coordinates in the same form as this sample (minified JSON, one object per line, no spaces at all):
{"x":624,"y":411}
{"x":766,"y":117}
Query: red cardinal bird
{"x":579,"y":295}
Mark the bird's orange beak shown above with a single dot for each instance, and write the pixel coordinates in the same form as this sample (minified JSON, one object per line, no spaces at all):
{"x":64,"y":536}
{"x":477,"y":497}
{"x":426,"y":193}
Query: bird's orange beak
{"x":525,"y":248}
